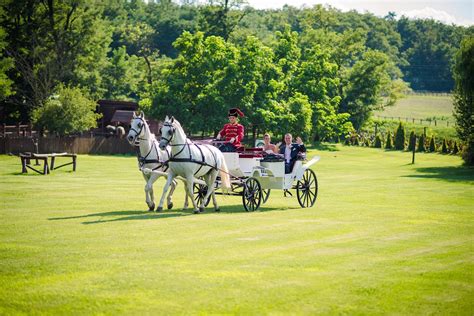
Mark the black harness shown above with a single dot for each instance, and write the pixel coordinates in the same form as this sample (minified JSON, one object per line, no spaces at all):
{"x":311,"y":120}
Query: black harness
{"x":188,"y":144}
{"x":143,"y":160}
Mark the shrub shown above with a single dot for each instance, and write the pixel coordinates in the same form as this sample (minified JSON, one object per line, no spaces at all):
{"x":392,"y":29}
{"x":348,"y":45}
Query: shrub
{"x":412,"y":142}
{"x":444,"y":148}
{"x":378,"y":142}
{"x":421,"y":143}
{"x":455,"y":148}
{"x":432,"y":144}
{"x":67,"y":112}
{"x":388,"y":143}
{"x":400,"y":138}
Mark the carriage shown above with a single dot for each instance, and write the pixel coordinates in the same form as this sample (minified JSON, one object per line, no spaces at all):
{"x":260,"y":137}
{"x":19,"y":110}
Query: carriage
{"x":205,"y":170}
{"x":254,"y":175}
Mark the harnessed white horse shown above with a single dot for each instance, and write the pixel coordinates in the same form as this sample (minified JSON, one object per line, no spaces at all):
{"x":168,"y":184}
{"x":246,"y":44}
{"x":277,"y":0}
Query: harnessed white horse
{"x":190,"y":161}
{"x":151,"y":159}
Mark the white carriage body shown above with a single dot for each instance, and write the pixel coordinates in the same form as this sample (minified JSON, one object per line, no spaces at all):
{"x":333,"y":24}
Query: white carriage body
{"x":271,"y":175}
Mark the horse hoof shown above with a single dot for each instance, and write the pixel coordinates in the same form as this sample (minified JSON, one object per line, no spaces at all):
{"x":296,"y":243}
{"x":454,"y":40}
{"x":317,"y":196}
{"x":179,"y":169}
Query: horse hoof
{"x":218,"y":210}
{"x":201,"y":209}
{"x":170,"y":206}
{"x":151,"y":208}
{"x":196,"y":212}
{"x":159,"y":209}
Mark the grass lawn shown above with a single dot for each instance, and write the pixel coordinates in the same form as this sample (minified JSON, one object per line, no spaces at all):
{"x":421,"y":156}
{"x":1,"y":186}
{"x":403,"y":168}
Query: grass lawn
{"x":384,"y":237}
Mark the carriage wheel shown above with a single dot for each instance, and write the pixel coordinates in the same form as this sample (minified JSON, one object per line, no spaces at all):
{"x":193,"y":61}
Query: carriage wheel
{"x":252,"y":195}
{"x":265,"y":195}
{"x":199,"y":192}
{"x":307,"y":189}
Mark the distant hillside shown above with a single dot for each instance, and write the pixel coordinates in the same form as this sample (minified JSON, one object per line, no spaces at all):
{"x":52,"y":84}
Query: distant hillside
{"x":421,"y":107}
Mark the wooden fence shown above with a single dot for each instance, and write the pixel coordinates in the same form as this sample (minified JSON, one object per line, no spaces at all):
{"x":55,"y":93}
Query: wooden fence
{"x":77,"y":145}
{"x":434,"y":122}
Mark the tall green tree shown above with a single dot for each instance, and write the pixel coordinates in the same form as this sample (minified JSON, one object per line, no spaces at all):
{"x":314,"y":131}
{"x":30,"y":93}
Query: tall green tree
{"x":45,"y":40}
{"x":464,"y":97}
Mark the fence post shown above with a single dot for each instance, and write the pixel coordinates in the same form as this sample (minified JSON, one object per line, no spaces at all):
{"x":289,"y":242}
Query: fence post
{"x":18,"y":128}
{"x":5,"y":129}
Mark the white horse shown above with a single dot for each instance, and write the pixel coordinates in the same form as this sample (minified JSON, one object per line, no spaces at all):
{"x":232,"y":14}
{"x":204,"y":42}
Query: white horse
{"x":190,"y":161}
{"x":151,"y":159}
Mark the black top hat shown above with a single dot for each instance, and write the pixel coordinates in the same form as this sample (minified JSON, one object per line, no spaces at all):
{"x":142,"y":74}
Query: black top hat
{"x":235,"y":112}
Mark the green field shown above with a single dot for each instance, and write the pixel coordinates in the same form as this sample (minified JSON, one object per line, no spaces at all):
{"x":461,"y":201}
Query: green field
{"x":427,"y":108}
{"x":421,"y":107}
{"x":384,"y":237}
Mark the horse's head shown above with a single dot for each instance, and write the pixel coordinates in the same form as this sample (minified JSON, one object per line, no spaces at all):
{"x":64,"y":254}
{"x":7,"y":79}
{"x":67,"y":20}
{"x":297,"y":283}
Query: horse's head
{"x":167,"y":132}
{"x":137,"y":128}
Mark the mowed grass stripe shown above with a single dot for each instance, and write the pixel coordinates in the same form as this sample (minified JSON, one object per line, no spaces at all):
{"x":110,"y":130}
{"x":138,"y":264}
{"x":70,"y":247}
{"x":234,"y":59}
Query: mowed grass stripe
{"x":383,"y":237}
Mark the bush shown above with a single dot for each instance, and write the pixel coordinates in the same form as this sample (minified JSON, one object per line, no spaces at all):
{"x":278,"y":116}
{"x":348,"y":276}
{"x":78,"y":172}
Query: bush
{"x":444,"y":148}
{"x":388,"y":143}
{"x":412,"y":142}
{"x":67,"y":112}
{"x":455,"y":148}
{"x":400,"y":138}
{"x":378,"y":142}
{"x":421,"y":143}
{"x":432,"y":144}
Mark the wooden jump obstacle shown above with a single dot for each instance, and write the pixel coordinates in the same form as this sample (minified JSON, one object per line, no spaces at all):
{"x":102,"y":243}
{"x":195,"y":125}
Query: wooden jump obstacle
{"x":47,"y":168}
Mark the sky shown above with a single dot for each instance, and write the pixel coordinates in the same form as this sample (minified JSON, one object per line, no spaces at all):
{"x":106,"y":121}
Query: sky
{"x":459,"y":12}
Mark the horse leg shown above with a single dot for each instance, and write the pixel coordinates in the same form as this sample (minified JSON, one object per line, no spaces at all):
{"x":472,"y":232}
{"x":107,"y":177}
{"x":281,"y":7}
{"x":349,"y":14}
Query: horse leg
{"x":189,"y":187}
{"x":170,"y":195}
{"x":210,"y":179}
{"x":151,"y":181}
{"x":151,"y":205}
{"x":186,"y":195}
{"x":165,"y":190}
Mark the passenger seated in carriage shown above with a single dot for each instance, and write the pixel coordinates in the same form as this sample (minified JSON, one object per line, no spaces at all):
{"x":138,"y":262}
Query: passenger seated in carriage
{"x":233,"y":132}
{"x":292,"y":151}
{"x":268,"y":147}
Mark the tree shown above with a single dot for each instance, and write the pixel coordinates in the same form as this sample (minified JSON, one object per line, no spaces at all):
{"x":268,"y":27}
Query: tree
{"x":47,"y":40}
{"x":6,"y":63}
{"x":369,"y":85}
{"x":220,"y":17}
{"x":464,"y":97}
{"x":412,"y":141}
{"x":66,"y":112}
{"x":388,"y":142}
{"x":400,"y":137}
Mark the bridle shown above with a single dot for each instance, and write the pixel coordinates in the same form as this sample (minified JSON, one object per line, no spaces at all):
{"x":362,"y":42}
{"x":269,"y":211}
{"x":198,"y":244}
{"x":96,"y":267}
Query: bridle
{"x":171,"y":132}
{"x":139,"y":132}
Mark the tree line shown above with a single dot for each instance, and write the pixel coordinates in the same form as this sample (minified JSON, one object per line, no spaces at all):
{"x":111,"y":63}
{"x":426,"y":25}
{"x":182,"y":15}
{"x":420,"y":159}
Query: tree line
{"x":317,"y":72}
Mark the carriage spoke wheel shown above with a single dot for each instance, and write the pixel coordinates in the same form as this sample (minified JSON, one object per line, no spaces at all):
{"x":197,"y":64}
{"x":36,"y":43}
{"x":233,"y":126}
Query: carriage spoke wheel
{"x":199,"y":192}
{"x":252,"y":195}
{"x":265,"y":195}
{"x":307,"y":189}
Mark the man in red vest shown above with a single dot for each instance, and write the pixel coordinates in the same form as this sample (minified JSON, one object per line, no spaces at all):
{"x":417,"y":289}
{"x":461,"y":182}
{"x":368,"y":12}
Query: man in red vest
{"x":233,"y":132}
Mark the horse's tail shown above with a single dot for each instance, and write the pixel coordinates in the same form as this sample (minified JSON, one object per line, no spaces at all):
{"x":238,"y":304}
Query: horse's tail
{"x":225,"y":179}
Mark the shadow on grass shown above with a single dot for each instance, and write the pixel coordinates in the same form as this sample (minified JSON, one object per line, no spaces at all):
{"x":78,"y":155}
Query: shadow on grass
{"x":452,"y":174}
{"x":146,"y":215}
